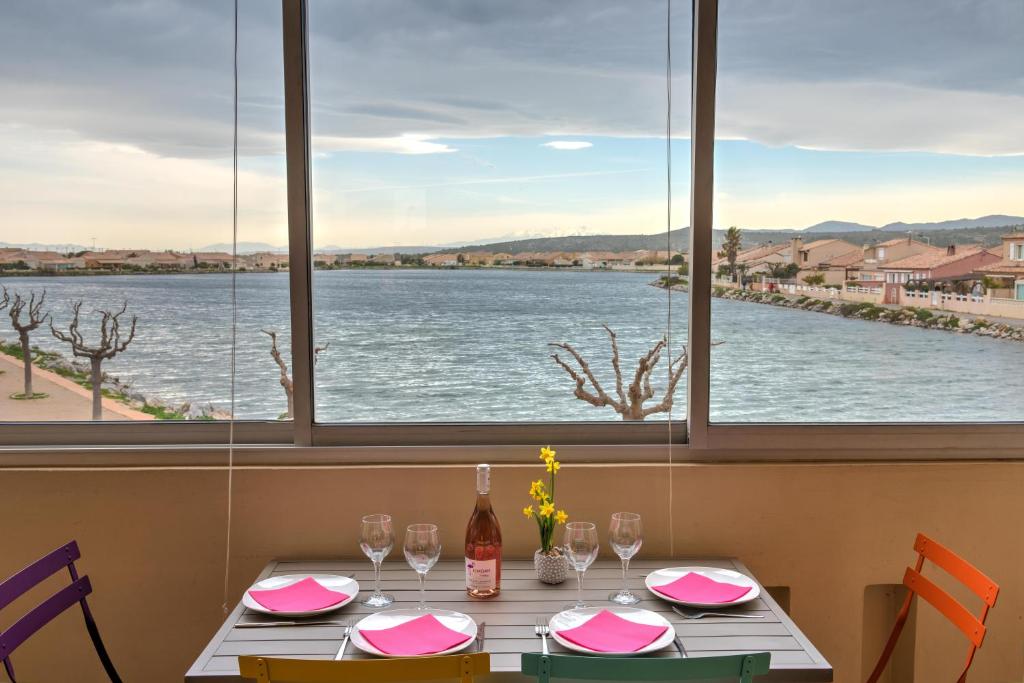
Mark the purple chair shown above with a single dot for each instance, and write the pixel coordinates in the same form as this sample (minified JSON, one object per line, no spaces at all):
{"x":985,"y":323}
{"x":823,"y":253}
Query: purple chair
{"x":44,"y":613}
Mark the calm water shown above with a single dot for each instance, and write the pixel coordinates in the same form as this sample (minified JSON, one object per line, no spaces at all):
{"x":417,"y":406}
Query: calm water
{"x":424,"y":345}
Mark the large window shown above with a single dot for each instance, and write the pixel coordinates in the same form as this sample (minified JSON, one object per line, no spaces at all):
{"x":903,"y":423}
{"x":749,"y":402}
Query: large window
{"x":490,"y":178}
{"x":853,"y":140}
{"x":440,"y":206}
{"x":116,"y":145}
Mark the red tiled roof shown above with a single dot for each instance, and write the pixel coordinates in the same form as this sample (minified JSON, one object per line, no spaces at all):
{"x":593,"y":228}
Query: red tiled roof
{"x":1005,"y":266}
{"x":929,"y":259}
{"x":846,"y":260}
{"x":817,"y":243}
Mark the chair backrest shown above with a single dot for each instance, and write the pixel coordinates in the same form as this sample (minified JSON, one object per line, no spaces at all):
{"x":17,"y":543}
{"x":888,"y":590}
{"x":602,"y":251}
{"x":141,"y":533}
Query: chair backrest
{"x":278,"y":670}
{"x":727,"y":667}
{"x":75,"y":593}
{"x":918,"y":585}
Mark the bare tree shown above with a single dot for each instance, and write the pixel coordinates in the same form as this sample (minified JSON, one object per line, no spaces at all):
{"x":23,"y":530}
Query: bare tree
{"x":286,"y":381}
{"x":629,"y":400}
{"x":34,"y":309}
{"x":110,"y":344}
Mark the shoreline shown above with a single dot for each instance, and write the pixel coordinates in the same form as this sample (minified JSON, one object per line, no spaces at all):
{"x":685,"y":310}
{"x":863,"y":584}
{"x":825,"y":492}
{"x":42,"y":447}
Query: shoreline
{"x":907,"y":316}
{"x":284,"y":271}
{"x":118,"y":397}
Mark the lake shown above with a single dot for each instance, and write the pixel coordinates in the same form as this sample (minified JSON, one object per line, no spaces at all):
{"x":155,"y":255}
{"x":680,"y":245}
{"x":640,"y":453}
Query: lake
{"x":472,"y":345}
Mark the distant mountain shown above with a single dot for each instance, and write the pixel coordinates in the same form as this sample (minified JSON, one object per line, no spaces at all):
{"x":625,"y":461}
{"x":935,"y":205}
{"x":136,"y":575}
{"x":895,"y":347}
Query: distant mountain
{"x":993,"y":221}
{"x":243,"y":247}
{"x":679,"y":238}
{"x":253,"y":247}
{"x":839,"y":226}
{"x":36,"y":246}
{"x":415,"y":249}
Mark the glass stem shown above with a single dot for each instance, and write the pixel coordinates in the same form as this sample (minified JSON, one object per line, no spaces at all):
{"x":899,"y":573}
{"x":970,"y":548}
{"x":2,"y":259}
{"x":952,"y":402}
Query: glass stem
{"x":579,"y":588}
{"x":423,"y":590}
{"x":376,"y":577}
{"x":625,"y":573}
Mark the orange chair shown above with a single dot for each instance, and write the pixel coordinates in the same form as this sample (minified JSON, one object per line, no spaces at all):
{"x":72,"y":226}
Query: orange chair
{"x":971,"y":626}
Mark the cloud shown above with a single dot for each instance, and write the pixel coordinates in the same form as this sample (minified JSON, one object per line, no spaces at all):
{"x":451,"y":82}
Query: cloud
{"x":928,"y":75}
{"x":568,"y":144}
{"x":407,"y":143}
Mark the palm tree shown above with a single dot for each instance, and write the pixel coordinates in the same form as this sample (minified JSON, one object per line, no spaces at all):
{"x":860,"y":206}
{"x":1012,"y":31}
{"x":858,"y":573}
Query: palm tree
{"x":731,"y":248}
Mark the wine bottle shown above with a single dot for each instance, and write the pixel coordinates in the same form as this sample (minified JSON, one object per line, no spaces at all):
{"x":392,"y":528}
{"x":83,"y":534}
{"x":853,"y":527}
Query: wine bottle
{"x":483,"y":542}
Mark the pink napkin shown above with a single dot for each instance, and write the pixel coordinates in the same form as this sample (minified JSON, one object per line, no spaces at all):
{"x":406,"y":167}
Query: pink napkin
{"x":420,"y":636}
{"x":694,"y":587}
{"x":608,"y":632}
{"x":303,"y":596}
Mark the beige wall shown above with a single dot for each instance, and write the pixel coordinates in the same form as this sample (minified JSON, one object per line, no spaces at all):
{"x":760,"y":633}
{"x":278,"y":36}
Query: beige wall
{"x":153,"y":541}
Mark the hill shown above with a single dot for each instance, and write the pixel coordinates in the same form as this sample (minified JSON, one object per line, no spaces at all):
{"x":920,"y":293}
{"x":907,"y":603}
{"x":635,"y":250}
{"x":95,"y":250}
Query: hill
{"x":993,"y":221}
{"x":839,"y":226}
{"x":680,"y":239}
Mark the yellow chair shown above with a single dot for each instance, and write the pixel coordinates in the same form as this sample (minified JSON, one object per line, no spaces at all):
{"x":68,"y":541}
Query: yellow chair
{"x":277,"y":670}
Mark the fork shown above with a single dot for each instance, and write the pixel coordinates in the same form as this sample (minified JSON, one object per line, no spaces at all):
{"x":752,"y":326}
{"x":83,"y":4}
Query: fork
{"x":542,"y":629}
{"x":344,"y":642}
{"x":694,"y":614}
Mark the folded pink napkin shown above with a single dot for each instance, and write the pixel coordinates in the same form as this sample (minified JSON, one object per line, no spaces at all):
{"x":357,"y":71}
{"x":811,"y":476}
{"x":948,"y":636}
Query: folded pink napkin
{"x":608,"y":632}
{"x":303,"y":596}
{"x":694,"y":587}
{"x":420,"y":636}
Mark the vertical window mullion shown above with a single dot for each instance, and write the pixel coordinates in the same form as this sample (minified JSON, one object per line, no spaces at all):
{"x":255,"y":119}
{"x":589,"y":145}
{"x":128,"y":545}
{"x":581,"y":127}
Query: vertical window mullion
{"x":702,"y":156}
{"x":297,"y":152}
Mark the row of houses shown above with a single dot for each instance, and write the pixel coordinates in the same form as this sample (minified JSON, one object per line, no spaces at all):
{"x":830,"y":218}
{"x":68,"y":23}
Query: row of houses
{"x":887,"y":267}
{"x":136,"y":259}
{"x":551,"y":259}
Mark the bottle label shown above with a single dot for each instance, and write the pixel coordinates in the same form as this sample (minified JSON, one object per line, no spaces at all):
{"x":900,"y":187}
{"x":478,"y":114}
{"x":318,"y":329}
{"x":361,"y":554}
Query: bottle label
{"x":481,"y":574}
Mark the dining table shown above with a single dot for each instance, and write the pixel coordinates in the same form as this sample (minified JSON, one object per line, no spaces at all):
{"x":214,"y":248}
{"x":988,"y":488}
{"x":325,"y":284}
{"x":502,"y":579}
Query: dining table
{"x":511,"y":617}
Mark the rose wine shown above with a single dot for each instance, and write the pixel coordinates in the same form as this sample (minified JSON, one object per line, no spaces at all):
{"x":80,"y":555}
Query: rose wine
{"x":483,"y":542}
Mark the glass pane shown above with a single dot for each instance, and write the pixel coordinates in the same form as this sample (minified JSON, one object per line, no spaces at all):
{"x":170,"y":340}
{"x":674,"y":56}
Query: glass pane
{"x":116,"y":190}
{"x":490,"y":178}
{"x":871,"y":155}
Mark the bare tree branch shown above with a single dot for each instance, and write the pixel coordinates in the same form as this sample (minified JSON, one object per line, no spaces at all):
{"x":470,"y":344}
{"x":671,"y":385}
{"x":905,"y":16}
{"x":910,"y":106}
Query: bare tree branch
{"x":580,"y":392}
{"x":632,"y":398}
{"x":317,"y":350}
{"x":615,"y":364}
{"x":286,"y":381}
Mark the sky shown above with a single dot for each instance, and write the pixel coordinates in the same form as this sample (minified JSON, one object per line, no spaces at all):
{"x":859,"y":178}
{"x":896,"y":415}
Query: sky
{"x":456,"y":121}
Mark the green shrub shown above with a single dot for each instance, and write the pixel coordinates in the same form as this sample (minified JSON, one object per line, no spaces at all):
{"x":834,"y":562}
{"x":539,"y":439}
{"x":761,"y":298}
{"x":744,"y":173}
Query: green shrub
{"x":923,"y":314}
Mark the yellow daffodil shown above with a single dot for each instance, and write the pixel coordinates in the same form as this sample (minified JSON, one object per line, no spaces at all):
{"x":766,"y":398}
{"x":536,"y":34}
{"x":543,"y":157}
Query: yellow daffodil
{"x":536,"y":489}
{"x":561,"y":516}
{"x":547,"y":509}
{"x":553,"y":466}
{"x":547,"y":453}
{"x":528,"y":511}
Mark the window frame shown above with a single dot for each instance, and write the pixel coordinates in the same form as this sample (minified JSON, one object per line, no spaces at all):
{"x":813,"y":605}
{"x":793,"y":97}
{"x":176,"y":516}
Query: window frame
{"x":694,"y":439}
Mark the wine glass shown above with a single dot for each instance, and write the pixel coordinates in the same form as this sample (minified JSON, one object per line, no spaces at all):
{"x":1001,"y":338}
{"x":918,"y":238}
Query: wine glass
{"x":422,"y":548}
{"x":581,"y":548}
{"x":376,"y":539}
{"x":626,"y":535}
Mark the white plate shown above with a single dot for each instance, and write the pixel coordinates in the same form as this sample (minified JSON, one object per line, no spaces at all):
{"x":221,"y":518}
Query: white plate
{"x":577,"y":617}
{"x":663,"y":576}
{"x":340,"y":584}
{"x":456,"y":621}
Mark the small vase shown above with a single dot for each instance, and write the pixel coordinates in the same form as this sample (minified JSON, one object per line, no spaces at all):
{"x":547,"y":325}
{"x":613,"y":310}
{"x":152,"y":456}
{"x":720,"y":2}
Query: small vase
{"x":551,"y":566}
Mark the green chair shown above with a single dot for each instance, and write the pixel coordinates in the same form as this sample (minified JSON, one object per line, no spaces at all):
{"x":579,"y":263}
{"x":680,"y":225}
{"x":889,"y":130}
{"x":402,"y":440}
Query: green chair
{"x":729,"y":667}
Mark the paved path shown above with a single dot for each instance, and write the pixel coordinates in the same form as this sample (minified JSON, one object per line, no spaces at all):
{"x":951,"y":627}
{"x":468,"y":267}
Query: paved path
{"x":66,"y":400}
